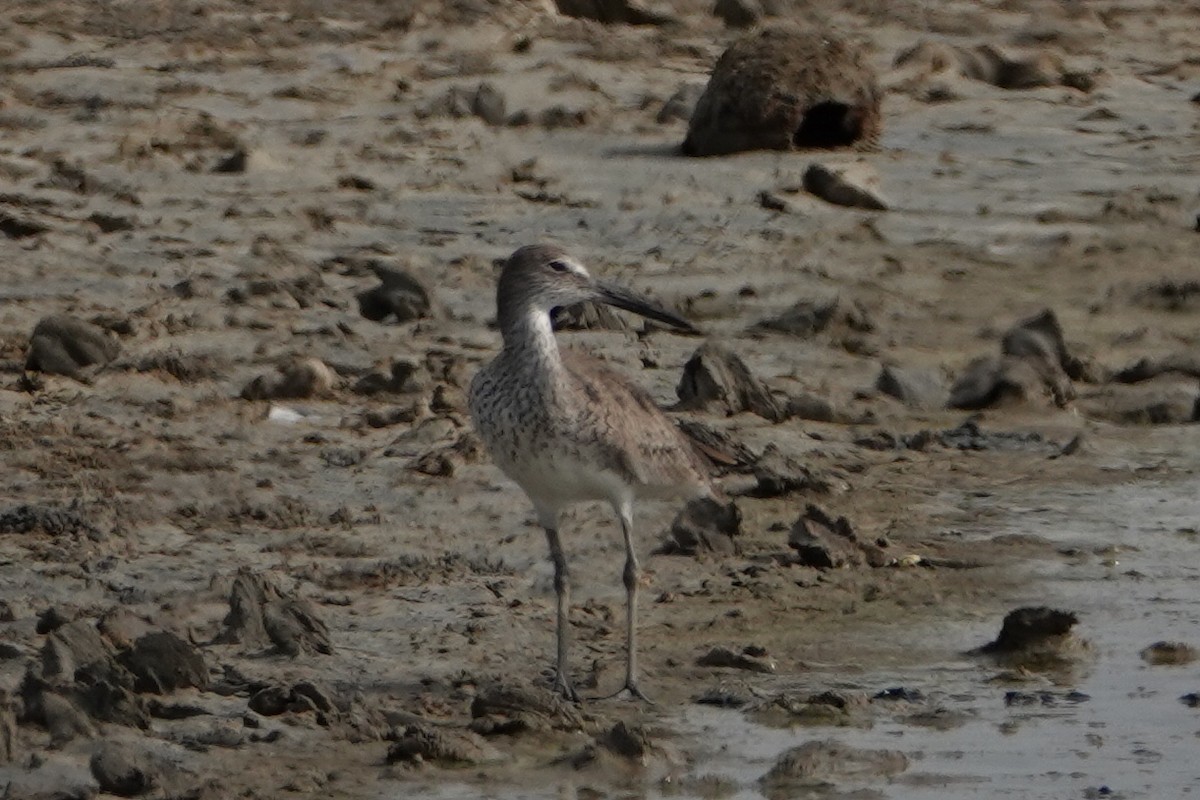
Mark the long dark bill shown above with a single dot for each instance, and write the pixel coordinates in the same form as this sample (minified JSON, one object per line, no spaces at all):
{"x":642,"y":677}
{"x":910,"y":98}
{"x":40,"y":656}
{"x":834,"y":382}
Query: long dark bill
{"x":620,"y":297}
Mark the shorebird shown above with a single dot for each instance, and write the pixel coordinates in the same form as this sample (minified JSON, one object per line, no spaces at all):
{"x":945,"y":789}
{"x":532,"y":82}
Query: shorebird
{"x":567,"y":428}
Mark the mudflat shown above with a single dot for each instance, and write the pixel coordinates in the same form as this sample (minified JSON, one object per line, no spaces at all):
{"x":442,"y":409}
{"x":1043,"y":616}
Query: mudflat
{"x":250,"y":546}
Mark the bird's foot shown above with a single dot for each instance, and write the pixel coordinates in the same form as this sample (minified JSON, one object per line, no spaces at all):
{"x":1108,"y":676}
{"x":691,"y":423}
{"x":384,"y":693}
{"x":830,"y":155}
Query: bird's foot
{"x":630,"y":691}
{"x":565,"y":689}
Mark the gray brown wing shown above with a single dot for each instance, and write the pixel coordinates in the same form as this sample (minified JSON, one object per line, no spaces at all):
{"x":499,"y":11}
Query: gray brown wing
{"x":624,"y":422}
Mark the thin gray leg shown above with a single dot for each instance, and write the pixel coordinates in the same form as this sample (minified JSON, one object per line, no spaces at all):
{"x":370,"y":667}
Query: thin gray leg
{"x":562,"y":589}
{"x":630,"y":576}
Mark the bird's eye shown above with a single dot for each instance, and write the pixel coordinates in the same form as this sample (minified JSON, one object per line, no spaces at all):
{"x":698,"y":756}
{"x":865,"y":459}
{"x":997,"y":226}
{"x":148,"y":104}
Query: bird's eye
{"x":559,"y":266}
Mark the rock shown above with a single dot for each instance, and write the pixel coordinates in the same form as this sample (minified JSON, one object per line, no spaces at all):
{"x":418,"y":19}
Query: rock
{"x":806,"y":405}
{"x":738,"y":13}
{"x":827,"y":543}
{"x":20,"y":228}
{"x":488,"y":104}
{"x":399,"y":296}
{"x":80,"y":666}
{"x":631,"y":742}
{"x":1033,"y":363}
{"x":260,"y":616}
{"x":49,"y":520}
{"x":989,"y":64}
{"x":681,"y":104}
{"x":807,"y":317}
{"x":714,"y":374}
{"x":299,"y":379}
{"x":418,"y":743}
{"x":821,"y":708}
{"x":778,"y":474}
{"x":786,"y":88}
{"x":63,"y":719}
{"x":1040,"y":337}
{"x":804,"y":318}
{"x":704,"y":525}
{"x":610,"y":12}
{"x":232,"y":164}
{"x":183,"y":367}
{"x":270,"y":701}
{"x":63,"y":345}
{"x":1036,"y":638}
{"x":724,"y":657}
{"x":401,"y":378}
{"x":722,"y":698}
{"x":161,"y":662}
{"x":914,"y":387}
{"x":122,"y":772}
{"x":502,"y":709}
{"x":300,"y":698}
{"x":834,"y":187}
{"x":78,"y":646}
{"x":1183,"y":363}
{"x":817,"y":764}
{"x":1169,"y":294}
{"x":1172,"y":653}
{"x":1165,"y":400}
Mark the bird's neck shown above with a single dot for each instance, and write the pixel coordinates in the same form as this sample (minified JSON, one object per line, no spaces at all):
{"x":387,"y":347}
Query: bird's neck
{"x":529,"y":337}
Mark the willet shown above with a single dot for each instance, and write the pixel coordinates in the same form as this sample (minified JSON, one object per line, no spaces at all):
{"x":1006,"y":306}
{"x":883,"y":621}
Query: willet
{"x":567,"y":428}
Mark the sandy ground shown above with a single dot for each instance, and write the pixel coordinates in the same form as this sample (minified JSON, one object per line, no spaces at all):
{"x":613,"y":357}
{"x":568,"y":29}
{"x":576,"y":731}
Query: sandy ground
{"x":435,"y":587}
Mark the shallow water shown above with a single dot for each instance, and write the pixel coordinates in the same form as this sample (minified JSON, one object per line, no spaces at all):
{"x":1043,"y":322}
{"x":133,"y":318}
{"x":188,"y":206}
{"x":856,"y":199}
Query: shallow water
{"x":1131,"y":737}
{"x":1132,"y":578}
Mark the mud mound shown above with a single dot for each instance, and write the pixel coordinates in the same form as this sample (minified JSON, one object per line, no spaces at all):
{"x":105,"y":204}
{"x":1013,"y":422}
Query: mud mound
{"x":787,"y":88}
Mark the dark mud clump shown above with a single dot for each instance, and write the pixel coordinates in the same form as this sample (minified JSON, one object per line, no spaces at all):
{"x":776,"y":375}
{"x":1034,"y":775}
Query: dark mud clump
{"x":822,"y":765}
{"x":704,"y":526}
{"x":260,"y":616}
{"x":825,"y":542}
{"x":787,"y":88}
{"x":1037,"y":638}
{"x":64,"y":345}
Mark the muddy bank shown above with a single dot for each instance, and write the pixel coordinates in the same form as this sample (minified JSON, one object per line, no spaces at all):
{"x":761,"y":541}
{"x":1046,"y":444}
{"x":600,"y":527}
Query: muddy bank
{"x":246,"y":533}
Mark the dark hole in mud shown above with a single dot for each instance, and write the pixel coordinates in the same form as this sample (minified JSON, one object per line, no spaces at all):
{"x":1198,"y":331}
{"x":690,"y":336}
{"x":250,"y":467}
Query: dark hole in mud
{"x":828,"y":125}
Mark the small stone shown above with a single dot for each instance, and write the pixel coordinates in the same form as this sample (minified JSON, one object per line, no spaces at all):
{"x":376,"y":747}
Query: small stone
{"x":724,"y":657}
{"x":299,"y":379}
{"x":704,"y":525}
{"x":834,"y":187}
{"x":417,"y":744}
{"x":824,"y":542}
{"x":915,"y":387}
{"x":715,"y":374}
{"x":823,"y":763}
{"x":232,"y":164}
{"x":398,"y":296}
{"x":63,"y":345}
{"x":778,"y":474}
{"x":162,"y":662}
{"x":120,"y":771}
{"x":1169,"y":653}
{"x":488,"y":104}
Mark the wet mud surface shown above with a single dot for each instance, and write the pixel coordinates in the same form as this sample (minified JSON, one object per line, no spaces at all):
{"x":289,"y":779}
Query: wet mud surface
{"x":250,"y":546}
